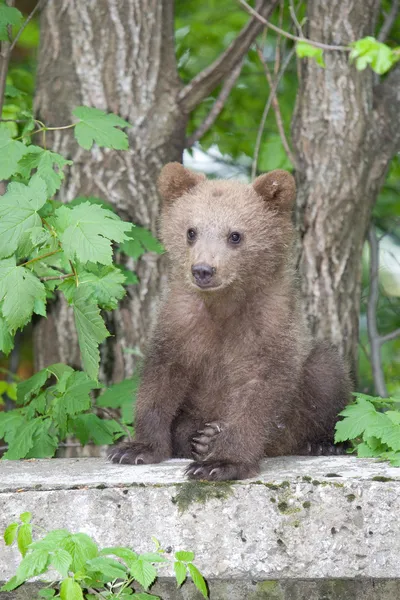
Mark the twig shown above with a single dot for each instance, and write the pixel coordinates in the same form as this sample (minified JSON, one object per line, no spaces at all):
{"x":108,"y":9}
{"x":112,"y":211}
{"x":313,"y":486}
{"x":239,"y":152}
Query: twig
{"x":29,"y":18}
{"x":373,"y":334}
{"x":110,"y":414}
{"x":392,"y":335}
{"x":28,"y":262}
{"x":266,"y":111}
{"x":295,"y":38}
{"x":295,"y":19}
{"x":208,"y":79}
{"x":277,"y":111}
{"x":389,"y":21}
{"x":4,"y":60}
{"x":216,"y":107}
{"x":53,"y":278}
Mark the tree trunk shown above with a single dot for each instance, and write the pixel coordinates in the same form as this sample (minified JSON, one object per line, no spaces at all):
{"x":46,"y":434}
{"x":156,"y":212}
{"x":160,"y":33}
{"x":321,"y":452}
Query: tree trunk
{"x":343,"y":144}
{"x":120,"y":57}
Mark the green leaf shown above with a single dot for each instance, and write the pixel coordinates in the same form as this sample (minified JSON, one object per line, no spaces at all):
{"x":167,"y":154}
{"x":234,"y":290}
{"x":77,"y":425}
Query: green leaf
{"x":86,"y":232}
{"x":383,"y":428}
{"x":185,"y":556}
{"x":81,"y":548}
{"x":97,"y":126}
{"x":143,"y":572}
{"x":26,"y":517}
{"x":144,"y":596}
{"x":110,"y":568}
{"x":198,"y":579}
{"x":91,"y":331}
{"x":103,"y":284}
{"x":306,"y":50}
{"x":44,"y":443}
{"x":153,"y":557}
{"x":125,"y":553}
{"x":8,"y":16}
{"x":61,"y":561}
{"x":180,"y":573}
{"x":49,"y":165}
{"x":10,"y":585}
{"x":359,"y":416}
{"x":47,"y":593}
{"x":11,"y":151}
{"x":20,"y":445}
{"x":368,"y":51}
{"x":34,"y":563}
{"x":30,"y":387}
{"x":92,"y":200}
{"x":75,"y":396}
{"x":10,"y":423}
{"x":90,"y":426}
{"x":117,"y":394}
{"x":140,"y":240}
{"x":52,"y":540}
{"x":70,"y":590}
{"x":6,"y":339}
{"x":11,"y":533}
{"x":18,"y":213}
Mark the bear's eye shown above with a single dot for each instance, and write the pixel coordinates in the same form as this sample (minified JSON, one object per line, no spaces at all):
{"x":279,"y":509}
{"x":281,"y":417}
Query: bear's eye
{"x":234,"y":237}
{"x":191,"y":235}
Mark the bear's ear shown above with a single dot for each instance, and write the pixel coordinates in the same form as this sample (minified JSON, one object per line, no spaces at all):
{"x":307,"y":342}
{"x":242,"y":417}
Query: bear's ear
{"x":278,"y":188}
{"x":175,"y":180}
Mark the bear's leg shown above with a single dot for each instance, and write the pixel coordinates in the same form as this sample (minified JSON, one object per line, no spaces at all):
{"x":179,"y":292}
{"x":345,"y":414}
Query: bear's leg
{"x":184,"y":427}
{"x":161,"y":392}
{"x":202,"y":443}
{"x":325,"y":392}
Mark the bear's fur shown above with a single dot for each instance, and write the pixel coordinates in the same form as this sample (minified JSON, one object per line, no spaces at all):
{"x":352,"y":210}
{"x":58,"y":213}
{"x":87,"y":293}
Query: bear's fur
{"x":231,"y":374}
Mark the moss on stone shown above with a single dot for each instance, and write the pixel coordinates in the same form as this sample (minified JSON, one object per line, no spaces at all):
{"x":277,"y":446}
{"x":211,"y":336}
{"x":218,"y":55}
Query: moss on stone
{"x":201,"y":492}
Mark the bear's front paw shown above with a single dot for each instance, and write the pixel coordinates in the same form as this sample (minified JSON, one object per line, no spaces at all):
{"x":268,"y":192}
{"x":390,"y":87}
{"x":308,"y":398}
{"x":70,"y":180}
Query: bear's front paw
{"x":220,"y":470}
{"x":204,"y":439}
{"x":132,"y":453}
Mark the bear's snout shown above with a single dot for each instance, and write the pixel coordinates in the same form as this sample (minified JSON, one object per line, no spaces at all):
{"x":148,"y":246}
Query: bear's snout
{"x":203,"y":274}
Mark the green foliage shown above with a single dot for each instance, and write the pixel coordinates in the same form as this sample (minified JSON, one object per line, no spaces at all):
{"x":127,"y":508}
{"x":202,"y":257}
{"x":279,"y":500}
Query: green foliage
{"x":85,"y":570}
{"x":8,"y":16}
{"x":53,"y":404}
{"x":306,"y":50}
{"x":373,"y":425}
{"x":368,"y":51}
{"x":95,"y":126}
{"x":46,"y":246}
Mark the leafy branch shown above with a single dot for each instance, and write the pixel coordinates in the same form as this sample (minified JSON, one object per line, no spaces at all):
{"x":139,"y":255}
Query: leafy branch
{"x":84,"y":568}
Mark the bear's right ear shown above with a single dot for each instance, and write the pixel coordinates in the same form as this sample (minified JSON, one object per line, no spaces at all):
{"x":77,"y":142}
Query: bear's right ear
{"x":175,"y":180}
{"x":277,"y":188}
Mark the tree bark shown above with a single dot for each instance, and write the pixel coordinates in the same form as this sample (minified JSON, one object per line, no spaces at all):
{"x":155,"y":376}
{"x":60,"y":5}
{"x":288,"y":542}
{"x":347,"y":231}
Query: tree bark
{"x":120,"y":57}
{"x":345,"y":132}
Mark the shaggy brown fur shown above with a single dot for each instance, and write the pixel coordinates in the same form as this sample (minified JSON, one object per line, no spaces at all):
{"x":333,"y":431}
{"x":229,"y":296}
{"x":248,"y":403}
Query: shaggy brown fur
{"x":231,"y":374}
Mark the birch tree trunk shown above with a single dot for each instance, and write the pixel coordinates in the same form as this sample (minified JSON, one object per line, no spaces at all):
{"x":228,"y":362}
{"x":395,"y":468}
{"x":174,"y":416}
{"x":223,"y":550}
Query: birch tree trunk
{"x":345,"y":131}
{"x":120,"y":57}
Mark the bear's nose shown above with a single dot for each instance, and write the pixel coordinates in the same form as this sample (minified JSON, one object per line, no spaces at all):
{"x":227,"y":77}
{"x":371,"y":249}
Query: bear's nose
{"x":202,"y":273}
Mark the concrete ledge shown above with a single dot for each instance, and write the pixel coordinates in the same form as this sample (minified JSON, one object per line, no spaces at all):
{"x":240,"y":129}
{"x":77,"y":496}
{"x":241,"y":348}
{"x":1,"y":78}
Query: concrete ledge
{"x":303,"y":518}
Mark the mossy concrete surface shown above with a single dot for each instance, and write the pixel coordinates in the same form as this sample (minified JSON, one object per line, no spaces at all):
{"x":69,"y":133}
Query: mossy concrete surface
{"x":315,"y":528}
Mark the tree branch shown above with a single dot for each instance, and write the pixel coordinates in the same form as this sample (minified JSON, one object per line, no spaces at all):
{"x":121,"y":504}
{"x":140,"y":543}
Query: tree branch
{"x":4,"y":60}
{"x":373,"y":334}
{"x":389,"y":21}
{"x":266,"y":111}
{"x":387,"y":102}
{"x":392,"y":335}
{"x":30,"y":16}
{"x":217,"y":106}
{"x":206,"y":81}
{"x":295,"y":38}
{"x":277,"y":110}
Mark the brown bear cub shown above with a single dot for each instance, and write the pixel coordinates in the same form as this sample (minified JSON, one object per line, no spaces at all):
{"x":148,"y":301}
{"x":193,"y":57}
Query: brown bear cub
{"x":231,"y":374}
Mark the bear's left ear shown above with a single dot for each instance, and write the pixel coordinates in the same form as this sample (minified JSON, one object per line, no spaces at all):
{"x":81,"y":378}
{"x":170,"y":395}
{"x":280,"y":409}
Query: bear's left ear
{"x":175,"y":180}
{"x":277,"y":188}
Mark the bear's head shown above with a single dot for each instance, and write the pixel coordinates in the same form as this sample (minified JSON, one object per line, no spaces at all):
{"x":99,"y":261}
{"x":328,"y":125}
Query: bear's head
{"x":224,"y":233}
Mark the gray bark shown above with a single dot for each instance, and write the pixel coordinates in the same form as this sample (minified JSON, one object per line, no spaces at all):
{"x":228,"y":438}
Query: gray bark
{"x":345,"y":132}
{"x":119,"y":57}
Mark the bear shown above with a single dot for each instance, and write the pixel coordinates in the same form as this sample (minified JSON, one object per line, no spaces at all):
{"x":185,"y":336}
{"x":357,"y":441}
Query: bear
{"x":232,"y":374}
